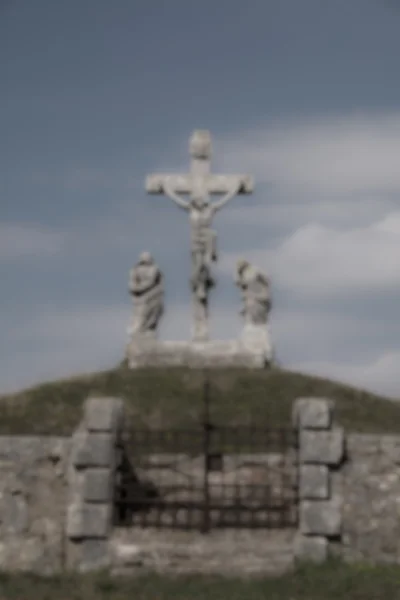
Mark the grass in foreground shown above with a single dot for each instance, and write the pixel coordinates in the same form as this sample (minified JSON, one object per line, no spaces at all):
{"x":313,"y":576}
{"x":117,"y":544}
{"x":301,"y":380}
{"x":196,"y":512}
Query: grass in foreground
{"x":333,"y":581}
{"x":173,"y":397}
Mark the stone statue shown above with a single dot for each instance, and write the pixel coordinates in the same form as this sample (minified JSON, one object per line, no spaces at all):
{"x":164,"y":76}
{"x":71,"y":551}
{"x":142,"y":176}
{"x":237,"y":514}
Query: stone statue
{"x":203,"y":240}
{"x":147,"y":289}
{"x":255,"y":287}
{"x":201,"y":213}
{"x":200,"y":184}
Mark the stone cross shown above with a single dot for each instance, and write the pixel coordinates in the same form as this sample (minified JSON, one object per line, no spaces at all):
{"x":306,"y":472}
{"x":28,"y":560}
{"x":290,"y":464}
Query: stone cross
{"x":199,"y":184}
{"x":200,"y":175}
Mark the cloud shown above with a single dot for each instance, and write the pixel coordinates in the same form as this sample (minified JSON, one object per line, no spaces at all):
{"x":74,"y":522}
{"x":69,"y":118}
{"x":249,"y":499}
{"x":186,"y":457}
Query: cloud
{"x":321,"y":260}
{"x":331,"y":206}
{"x":19,"y":240}
{"x":290,"y":212}
{"x":342,"y":155}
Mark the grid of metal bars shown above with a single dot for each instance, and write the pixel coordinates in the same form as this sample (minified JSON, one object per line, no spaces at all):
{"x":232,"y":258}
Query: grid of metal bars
{"x":206,"y":478}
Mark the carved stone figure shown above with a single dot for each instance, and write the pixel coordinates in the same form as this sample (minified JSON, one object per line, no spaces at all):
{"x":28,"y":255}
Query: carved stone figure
{"x":147,"y":290}
{"x":203,"y":237}
{"x":199,"y":184}
{"x":203,"y":241}
{"x":255,"y":288}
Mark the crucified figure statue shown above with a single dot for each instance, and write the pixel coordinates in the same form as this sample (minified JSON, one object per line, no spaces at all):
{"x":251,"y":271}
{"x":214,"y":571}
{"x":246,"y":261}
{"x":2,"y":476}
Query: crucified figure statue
{"x":199,"y":185}
{"x":203,"y":239}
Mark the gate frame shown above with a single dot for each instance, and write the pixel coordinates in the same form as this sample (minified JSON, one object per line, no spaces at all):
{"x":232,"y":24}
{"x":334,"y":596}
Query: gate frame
{"x":93,"y":455}
{"x":287,"y":441}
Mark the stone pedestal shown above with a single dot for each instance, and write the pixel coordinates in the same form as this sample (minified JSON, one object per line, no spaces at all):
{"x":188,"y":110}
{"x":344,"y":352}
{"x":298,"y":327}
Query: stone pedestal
{"x":256,"y":339}
{"x":231,"y":353}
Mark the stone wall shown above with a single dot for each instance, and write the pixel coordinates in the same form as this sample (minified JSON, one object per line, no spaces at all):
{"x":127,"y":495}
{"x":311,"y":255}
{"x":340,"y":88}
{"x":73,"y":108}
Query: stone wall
{"x":57,"y":496}
{"x":369,"y":485}
{"x":33,"y":497}
{"x":224,"y":551}
{"x":349,"y":490}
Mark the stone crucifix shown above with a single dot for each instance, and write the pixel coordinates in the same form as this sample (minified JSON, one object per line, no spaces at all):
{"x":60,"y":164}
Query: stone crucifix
{"x":199,"y":184}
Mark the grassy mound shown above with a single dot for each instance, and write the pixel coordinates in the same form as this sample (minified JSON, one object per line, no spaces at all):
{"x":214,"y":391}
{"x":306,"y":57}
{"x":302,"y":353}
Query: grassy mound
{"x":173,"y":398}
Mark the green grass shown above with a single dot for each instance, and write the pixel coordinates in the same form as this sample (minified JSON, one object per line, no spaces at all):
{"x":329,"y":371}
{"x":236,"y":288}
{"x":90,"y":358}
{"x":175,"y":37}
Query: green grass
{"x":173,"y":397}
{"x":333,"y":581}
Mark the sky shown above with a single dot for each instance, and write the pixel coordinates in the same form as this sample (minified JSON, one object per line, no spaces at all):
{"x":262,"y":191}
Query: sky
{"x":302,"y":95}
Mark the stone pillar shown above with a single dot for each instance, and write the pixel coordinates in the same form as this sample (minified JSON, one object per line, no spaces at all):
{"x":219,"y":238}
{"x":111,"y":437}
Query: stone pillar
{"x":321,"y":449}
{"x":91,"y":484}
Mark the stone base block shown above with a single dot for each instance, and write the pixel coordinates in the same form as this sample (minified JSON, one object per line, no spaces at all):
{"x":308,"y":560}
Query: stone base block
{"x":320,"y":517}
{"x":235,"y":353}
{"x":311,"y":548}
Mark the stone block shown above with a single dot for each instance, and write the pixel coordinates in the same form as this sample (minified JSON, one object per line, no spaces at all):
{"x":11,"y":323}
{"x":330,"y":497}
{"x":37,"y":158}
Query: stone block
{"x":73,"y":522}
{"x":314,"y":482}
{"x":95,"y":554}
{"x":313,"y":413}
{"x":27,"y":553}
{"x":103,"y":414}
{"x":196,"y":355}
{"x":88,"y":521}
{"x":126,"y":554}
{"x":97,"y":485}
{"x":95,"y":450}
{"x":311,"y":548}
{"x":14,"y":513}
{"x":320,"y":517}
{"x":322,"y":447}
{"x":390,"y":446}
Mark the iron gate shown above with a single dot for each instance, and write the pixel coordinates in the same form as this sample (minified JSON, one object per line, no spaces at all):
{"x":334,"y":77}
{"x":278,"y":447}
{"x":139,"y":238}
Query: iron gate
{"x":208,"y":477}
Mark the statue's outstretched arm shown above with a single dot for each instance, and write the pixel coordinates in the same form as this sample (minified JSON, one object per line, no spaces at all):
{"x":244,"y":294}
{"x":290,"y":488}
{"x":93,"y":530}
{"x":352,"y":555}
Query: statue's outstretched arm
{"x":169,"y":191}
{"x":225,"y":199}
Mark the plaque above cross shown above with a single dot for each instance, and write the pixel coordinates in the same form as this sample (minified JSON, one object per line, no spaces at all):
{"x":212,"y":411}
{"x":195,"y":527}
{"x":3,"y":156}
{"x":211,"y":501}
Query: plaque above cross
{"x":199,"y":178}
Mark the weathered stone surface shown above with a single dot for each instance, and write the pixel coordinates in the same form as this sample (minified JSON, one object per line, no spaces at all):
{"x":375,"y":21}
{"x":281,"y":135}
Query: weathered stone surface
{"x":33,"y":473}
{"x":73,"y":521}
{"x":311,"y":548}
{"x":32,"y":448}
{"x":95,"y":450}
{"x":126,"y":554}
{"x":390,"y":447}
{"x":322,"y":447}
{"x":314,"y":482}
{"x":29,"y":553}
{"x":103,"y":414}
{"x":320,"y":517}
{"x":254,"y":285}
{"x":98,"y":485}
{"x":146,"y":286}
{"x":95,"y":554}
{"x":313,"y":413}
{"x":88,"y":521}
{"x":14,"y":513}
{"x":221,"y":552}
{"x":196,"y":355}
{"x":369,"y":483}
